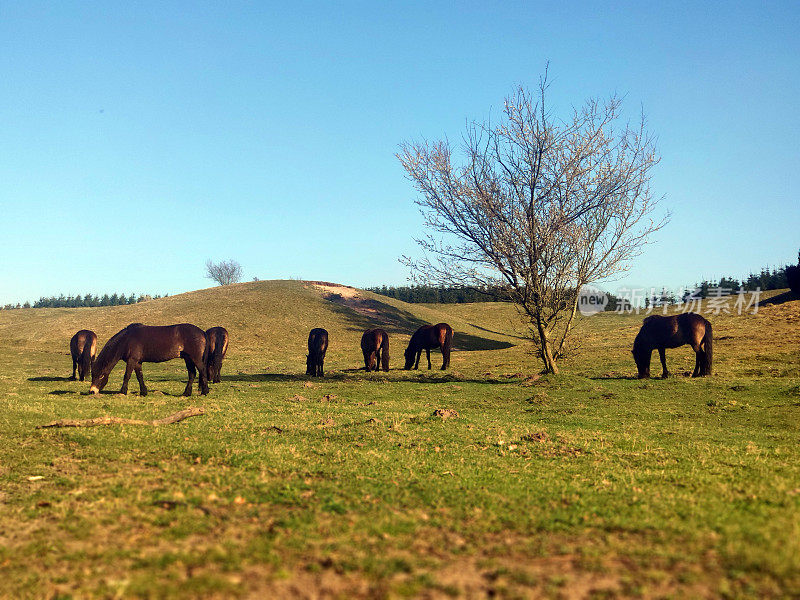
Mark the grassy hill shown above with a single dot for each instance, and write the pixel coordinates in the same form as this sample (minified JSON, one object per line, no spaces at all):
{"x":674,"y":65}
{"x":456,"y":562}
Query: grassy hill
{"x":267,"y":321}
{"x":589,"y":484}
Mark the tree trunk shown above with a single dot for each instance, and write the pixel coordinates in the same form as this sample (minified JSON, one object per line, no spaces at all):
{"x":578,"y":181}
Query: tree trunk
{"x":544,"y":343}
{"x":567,"y":327}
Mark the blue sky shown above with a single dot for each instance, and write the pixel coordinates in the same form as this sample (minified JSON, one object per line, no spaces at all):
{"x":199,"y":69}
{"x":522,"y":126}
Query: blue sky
{"x":139,"y":139}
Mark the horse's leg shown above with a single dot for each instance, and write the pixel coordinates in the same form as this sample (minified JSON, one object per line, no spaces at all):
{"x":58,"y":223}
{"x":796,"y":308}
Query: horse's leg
{"x":210,"y":368}
{"x":698,"y":357}
{"x":428,"y":354}
{"x":663,"y":355}
{"x":203,"y":378}
{"x":190,"y":368}
{"x":140,"y":377}
{"x":367,"y":357}
{"x":419,"y":355}
{"x":217,"y":373}
{"x":196,"y":362}
{"x":127,"y":376}
{"x":74,"y":368}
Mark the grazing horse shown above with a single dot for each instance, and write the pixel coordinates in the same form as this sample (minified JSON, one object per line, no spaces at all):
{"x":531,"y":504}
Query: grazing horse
{"x":426,"y":338}
{"x":82,"y":347}
{"x":139,"y":343}
{"x":661,"y":332}
{"x":375,"y":346}
{"x":317,"y":346}
{"x":217,"y":341}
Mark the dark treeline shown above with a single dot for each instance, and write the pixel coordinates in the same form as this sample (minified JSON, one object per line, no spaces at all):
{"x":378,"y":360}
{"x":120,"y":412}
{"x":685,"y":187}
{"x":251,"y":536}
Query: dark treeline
{"x":767,"y":279}
{"x":437,"y":295}
{"x":63,"y":301}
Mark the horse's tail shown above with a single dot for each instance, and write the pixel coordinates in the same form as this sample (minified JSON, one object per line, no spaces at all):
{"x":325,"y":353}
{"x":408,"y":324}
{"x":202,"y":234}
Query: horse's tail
{"x":385,"y":352}
{"x":86,"y":359}
{"x":708,"y":350}
{"x":447,"y":346}
{"x":206,"y":358}
{"x":215,"y":359}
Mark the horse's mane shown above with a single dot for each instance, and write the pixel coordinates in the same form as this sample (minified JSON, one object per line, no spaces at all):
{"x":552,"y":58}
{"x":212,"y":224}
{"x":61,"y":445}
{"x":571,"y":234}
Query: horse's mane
{"x":111,"y":350}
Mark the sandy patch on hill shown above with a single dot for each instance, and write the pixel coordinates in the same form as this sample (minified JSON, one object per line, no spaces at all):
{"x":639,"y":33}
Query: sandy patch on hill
{"x":345,"y":291}
{"x":344,"y":295}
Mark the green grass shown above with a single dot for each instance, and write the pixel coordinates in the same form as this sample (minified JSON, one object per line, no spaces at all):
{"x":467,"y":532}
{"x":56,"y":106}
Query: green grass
{"x":588,"y":484}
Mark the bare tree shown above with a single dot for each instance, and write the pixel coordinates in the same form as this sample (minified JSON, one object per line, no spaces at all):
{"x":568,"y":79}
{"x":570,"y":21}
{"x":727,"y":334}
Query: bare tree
{"x":535,"y":206}
{"x":224,"y":272}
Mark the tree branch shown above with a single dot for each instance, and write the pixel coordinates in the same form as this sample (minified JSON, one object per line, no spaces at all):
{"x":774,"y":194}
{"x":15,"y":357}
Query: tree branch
{"x":173,"y":418}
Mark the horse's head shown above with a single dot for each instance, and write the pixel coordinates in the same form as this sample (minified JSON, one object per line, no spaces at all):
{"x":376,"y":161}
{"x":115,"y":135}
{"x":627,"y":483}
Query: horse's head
{"x":309,"y":365}
{"x":99,"y":380}
{"x":641,"y":355}
{"x":410,"y":355}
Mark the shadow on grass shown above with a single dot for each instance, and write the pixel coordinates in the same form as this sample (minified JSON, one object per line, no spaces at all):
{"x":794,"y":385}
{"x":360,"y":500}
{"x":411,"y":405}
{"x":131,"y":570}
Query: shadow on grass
{"x":516,"y":337}
{"x":281,"y":378}
{"x":115,"y":392}
{"x":352,"y":375}
{"x":51,"y":379}
{"x":656,"y":377}
{"x":368,"y":313}
{"x":779,"y":299}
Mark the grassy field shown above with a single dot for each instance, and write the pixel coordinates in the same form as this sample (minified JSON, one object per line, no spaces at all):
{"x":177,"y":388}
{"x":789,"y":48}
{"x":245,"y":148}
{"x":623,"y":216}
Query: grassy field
{"x":588,"y":484}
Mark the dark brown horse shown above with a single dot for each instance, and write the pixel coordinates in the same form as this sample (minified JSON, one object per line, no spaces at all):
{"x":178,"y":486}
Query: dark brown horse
{"x":659,"y":332}
{"x":217,"y":340}
{"x":139,"y":343}
{"x":317,"y":346}
{"x":83,"y":348}
{"x":426,"y":338}
{"x":375,"y":346}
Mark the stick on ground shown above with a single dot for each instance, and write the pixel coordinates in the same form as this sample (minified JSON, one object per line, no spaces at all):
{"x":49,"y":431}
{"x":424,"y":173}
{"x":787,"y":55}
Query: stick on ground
{"x":174,"y":418}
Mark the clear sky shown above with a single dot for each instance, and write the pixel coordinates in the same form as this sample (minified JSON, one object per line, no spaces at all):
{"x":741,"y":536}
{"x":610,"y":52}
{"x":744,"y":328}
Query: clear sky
{"x":138,"y":139}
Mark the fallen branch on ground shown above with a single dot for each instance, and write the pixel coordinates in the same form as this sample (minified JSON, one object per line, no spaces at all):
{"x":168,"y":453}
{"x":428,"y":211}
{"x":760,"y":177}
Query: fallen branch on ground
{"x":174,"y":418}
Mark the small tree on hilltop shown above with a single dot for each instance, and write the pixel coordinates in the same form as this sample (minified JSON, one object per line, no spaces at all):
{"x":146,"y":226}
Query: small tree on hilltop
{"x":536,"y":207}
{"x":224,"y":272}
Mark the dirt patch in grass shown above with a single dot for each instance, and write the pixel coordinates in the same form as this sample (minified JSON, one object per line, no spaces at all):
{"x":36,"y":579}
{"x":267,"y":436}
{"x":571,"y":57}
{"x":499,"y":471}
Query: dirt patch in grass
{"x":435,"y":567}
{"x":445,"y":413}
{"x":352,"y":299}
{"x":345,"y":291}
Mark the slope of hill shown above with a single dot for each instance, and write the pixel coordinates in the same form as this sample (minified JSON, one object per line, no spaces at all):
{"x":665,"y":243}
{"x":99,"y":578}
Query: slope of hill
{"x":266,"y":319}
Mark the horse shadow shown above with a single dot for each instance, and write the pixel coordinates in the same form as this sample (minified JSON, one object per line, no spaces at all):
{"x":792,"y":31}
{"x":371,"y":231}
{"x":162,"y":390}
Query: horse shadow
{"x":359,"y":374}
{"x":284,"y":377}
{"x":49,"y":378}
